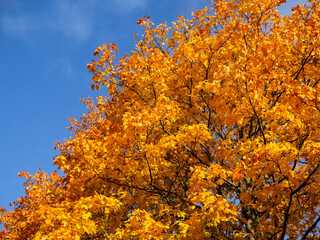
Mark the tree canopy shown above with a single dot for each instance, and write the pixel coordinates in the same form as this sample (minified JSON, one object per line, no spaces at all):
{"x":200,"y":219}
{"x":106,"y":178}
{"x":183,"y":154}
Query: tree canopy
{"x":208,"y":129}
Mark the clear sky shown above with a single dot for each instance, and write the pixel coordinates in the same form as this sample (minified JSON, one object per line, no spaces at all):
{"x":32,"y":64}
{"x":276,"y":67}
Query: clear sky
{"x":44,"y":49}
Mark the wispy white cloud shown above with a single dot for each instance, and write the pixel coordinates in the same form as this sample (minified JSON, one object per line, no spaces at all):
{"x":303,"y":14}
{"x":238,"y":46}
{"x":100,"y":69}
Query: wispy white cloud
{"x":64,"y":68}
{"x":74,"y":20}
{"x":196,"y":5}
{"x":130,"y":5}
{"x":19,"y":25}
{"x":63,"y":17}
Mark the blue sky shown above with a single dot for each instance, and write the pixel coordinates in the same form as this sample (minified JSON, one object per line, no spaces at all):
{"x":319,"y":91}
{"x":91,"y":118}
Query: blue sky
{"x":44,"y":49}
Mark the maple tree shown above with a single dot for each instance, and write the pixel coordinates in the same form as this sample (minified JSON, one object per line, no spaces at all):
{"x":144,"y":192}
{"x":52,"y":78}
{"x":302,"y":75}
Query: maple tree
{"x":210,"y":130}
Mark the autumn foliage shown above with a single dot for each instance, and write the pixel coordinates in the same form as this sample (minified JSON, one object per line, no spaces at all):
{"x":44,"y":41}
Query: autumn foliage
{"x":209,"y":129}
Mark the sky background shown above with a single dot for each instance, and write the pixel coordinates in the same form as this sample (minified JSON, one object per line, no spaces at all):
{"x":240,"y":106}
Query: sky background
{"x":44,"y":49}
